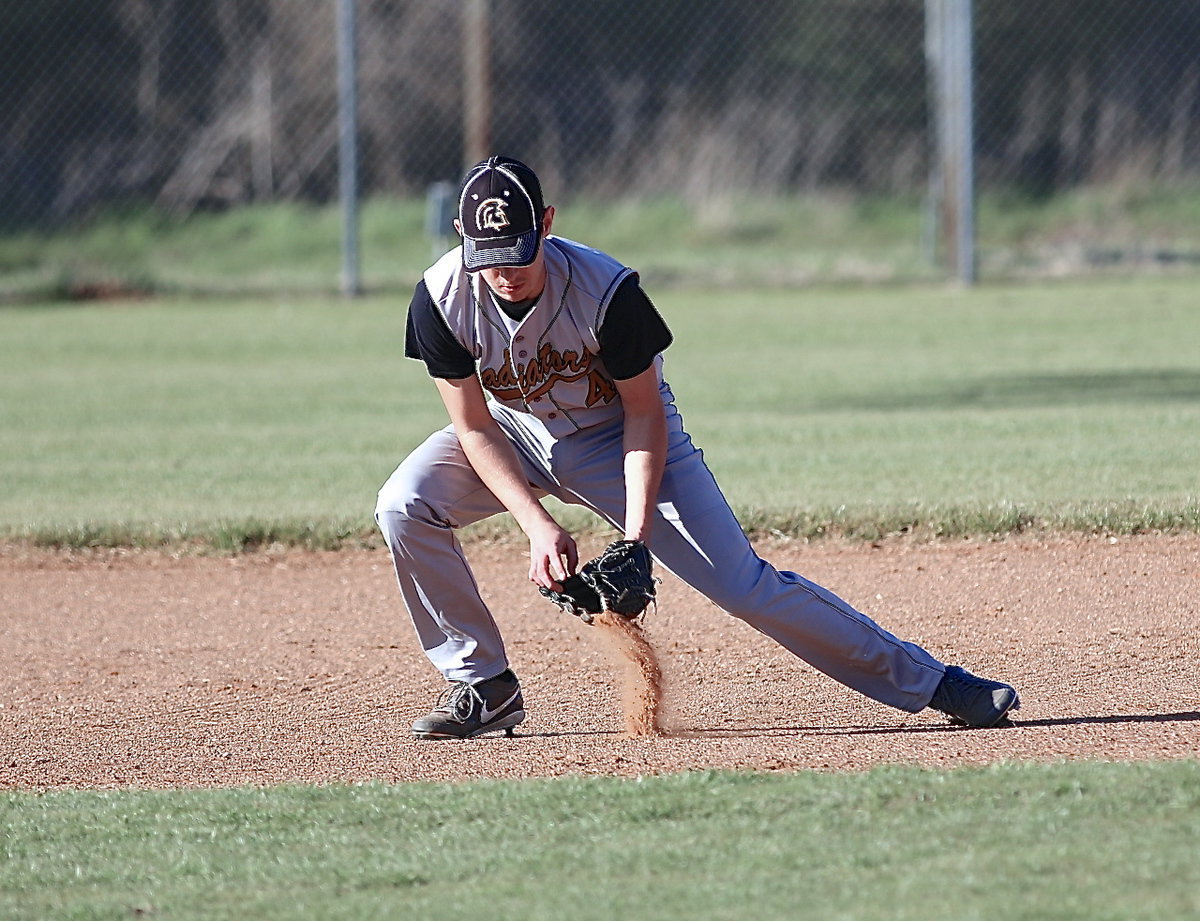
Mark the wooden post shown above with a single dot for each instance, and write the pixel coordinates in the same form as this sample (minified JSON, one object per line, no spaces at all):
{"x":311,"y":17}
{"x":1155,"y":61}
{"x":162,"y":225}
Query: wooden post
{"x":477,"y":81}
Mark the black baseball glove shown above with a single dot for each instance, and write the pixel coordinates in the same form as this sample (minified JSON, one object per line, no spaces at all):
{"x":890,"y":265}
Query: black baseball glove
{"x":619,"y":580}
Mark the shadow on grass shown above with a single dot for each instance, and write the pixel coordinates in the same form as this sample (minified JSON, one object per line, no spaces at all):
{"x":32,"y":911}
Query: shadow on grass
{"x":1036,"y":390}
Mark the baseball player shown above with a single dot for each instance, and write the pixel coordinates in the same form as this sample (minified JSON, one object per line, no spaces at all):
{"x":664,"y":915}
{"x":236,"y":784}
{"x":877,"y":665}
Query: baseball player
{"x":548,"y":357}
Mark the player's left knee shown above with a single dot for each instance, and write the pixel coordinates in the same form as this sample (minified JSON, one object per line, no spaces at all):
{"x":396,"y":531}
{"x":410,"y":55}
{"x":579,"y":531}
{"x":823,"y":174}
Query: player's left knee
{"x":394,"y":519}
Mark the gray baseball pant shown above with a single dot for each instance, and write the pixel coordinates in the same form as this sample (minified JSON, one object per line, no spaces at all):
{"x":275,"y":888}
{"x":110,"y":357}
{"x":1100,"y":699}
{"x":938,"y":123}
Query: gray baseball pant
{"x":695,"y":536}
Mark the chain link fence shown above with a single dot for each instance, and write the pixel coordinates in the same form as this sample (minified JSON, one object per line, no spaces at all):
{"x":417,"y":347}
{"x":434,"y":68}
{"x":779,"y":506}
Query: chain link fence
{"x":797,"y":129}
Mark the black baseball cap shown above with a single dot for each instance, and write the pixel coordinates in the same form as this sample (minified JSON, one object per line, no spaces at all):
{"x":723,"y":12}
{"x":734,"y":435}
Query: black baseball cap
{"x":500,"y":209}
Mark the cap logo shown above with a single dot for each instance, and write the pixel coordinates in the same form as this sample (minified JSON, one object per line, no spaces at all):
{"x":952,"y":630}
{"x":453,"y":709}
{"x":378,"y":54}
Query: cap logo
{"x":492,"y":214}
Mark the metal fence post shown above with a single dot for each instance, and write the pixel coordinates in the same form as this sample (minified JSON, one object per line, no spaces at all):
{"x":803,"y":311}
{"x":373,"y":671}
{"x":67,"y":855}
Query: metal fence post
{"x":961,"y":77}
{"x":950,"y":45}
{"x":348,"y":145}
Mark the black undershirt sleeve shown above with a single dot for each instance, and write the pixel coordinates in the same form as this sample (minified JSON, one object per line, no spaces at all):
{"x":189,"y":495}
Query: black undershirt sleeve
{"x":632,"y":335}
{"x":428,"y":338}
{"x":633,"y":332}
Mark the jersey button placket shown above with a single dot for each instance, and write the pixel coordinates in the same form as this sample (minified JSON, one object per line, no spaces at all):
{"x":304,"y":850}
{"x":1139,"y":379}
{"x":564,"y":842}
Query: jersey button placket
{"x":517,"y":369}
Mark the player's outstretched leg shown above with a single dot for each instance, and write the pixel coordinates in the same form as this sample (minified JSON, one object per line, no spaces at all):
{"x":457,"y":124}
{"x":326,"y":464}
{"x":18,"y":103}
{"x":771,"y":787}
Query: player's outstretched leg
{"x":465,"y":710}
{"x":973,"y":701}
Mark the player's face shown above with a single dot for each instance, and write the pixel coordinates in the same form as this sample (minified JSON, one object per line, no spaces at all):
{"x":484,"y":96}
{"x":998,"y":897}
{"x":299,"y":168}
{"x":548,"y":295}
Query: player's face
{"x":521,"y":283}
{"x":517,"y":284}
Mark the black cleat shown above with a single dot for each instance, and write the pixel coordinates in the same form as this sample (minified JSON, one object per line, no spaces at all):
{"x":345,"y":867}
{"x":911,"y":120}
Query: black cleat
{"x":972,"y":701}
{"x":465,"y":710}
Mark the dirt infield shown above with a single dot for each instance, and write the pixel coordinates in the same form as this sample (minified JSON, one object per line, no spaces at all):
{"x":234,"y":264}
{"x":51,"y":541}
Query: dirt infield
{"x":142,"y":669}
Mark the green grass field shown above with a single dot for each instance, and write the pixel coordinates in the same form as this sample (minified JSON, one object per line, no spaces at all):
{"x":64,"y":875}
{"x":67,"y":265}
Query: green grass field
{"x":1087,"y":842}
{"x":864,"y":411}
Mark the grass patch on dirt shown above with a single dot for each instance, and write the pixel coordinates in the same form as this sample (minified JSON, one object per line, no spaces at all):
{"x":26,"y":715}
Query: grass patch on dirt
{"x":1086,"y":841}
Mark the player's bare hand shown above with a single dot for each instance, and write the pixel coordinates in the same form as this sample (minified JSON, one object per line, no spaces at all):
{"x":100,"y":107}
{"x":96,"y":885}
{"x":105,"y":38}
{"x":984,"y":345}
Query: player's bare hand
{"x":552,"y":556}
